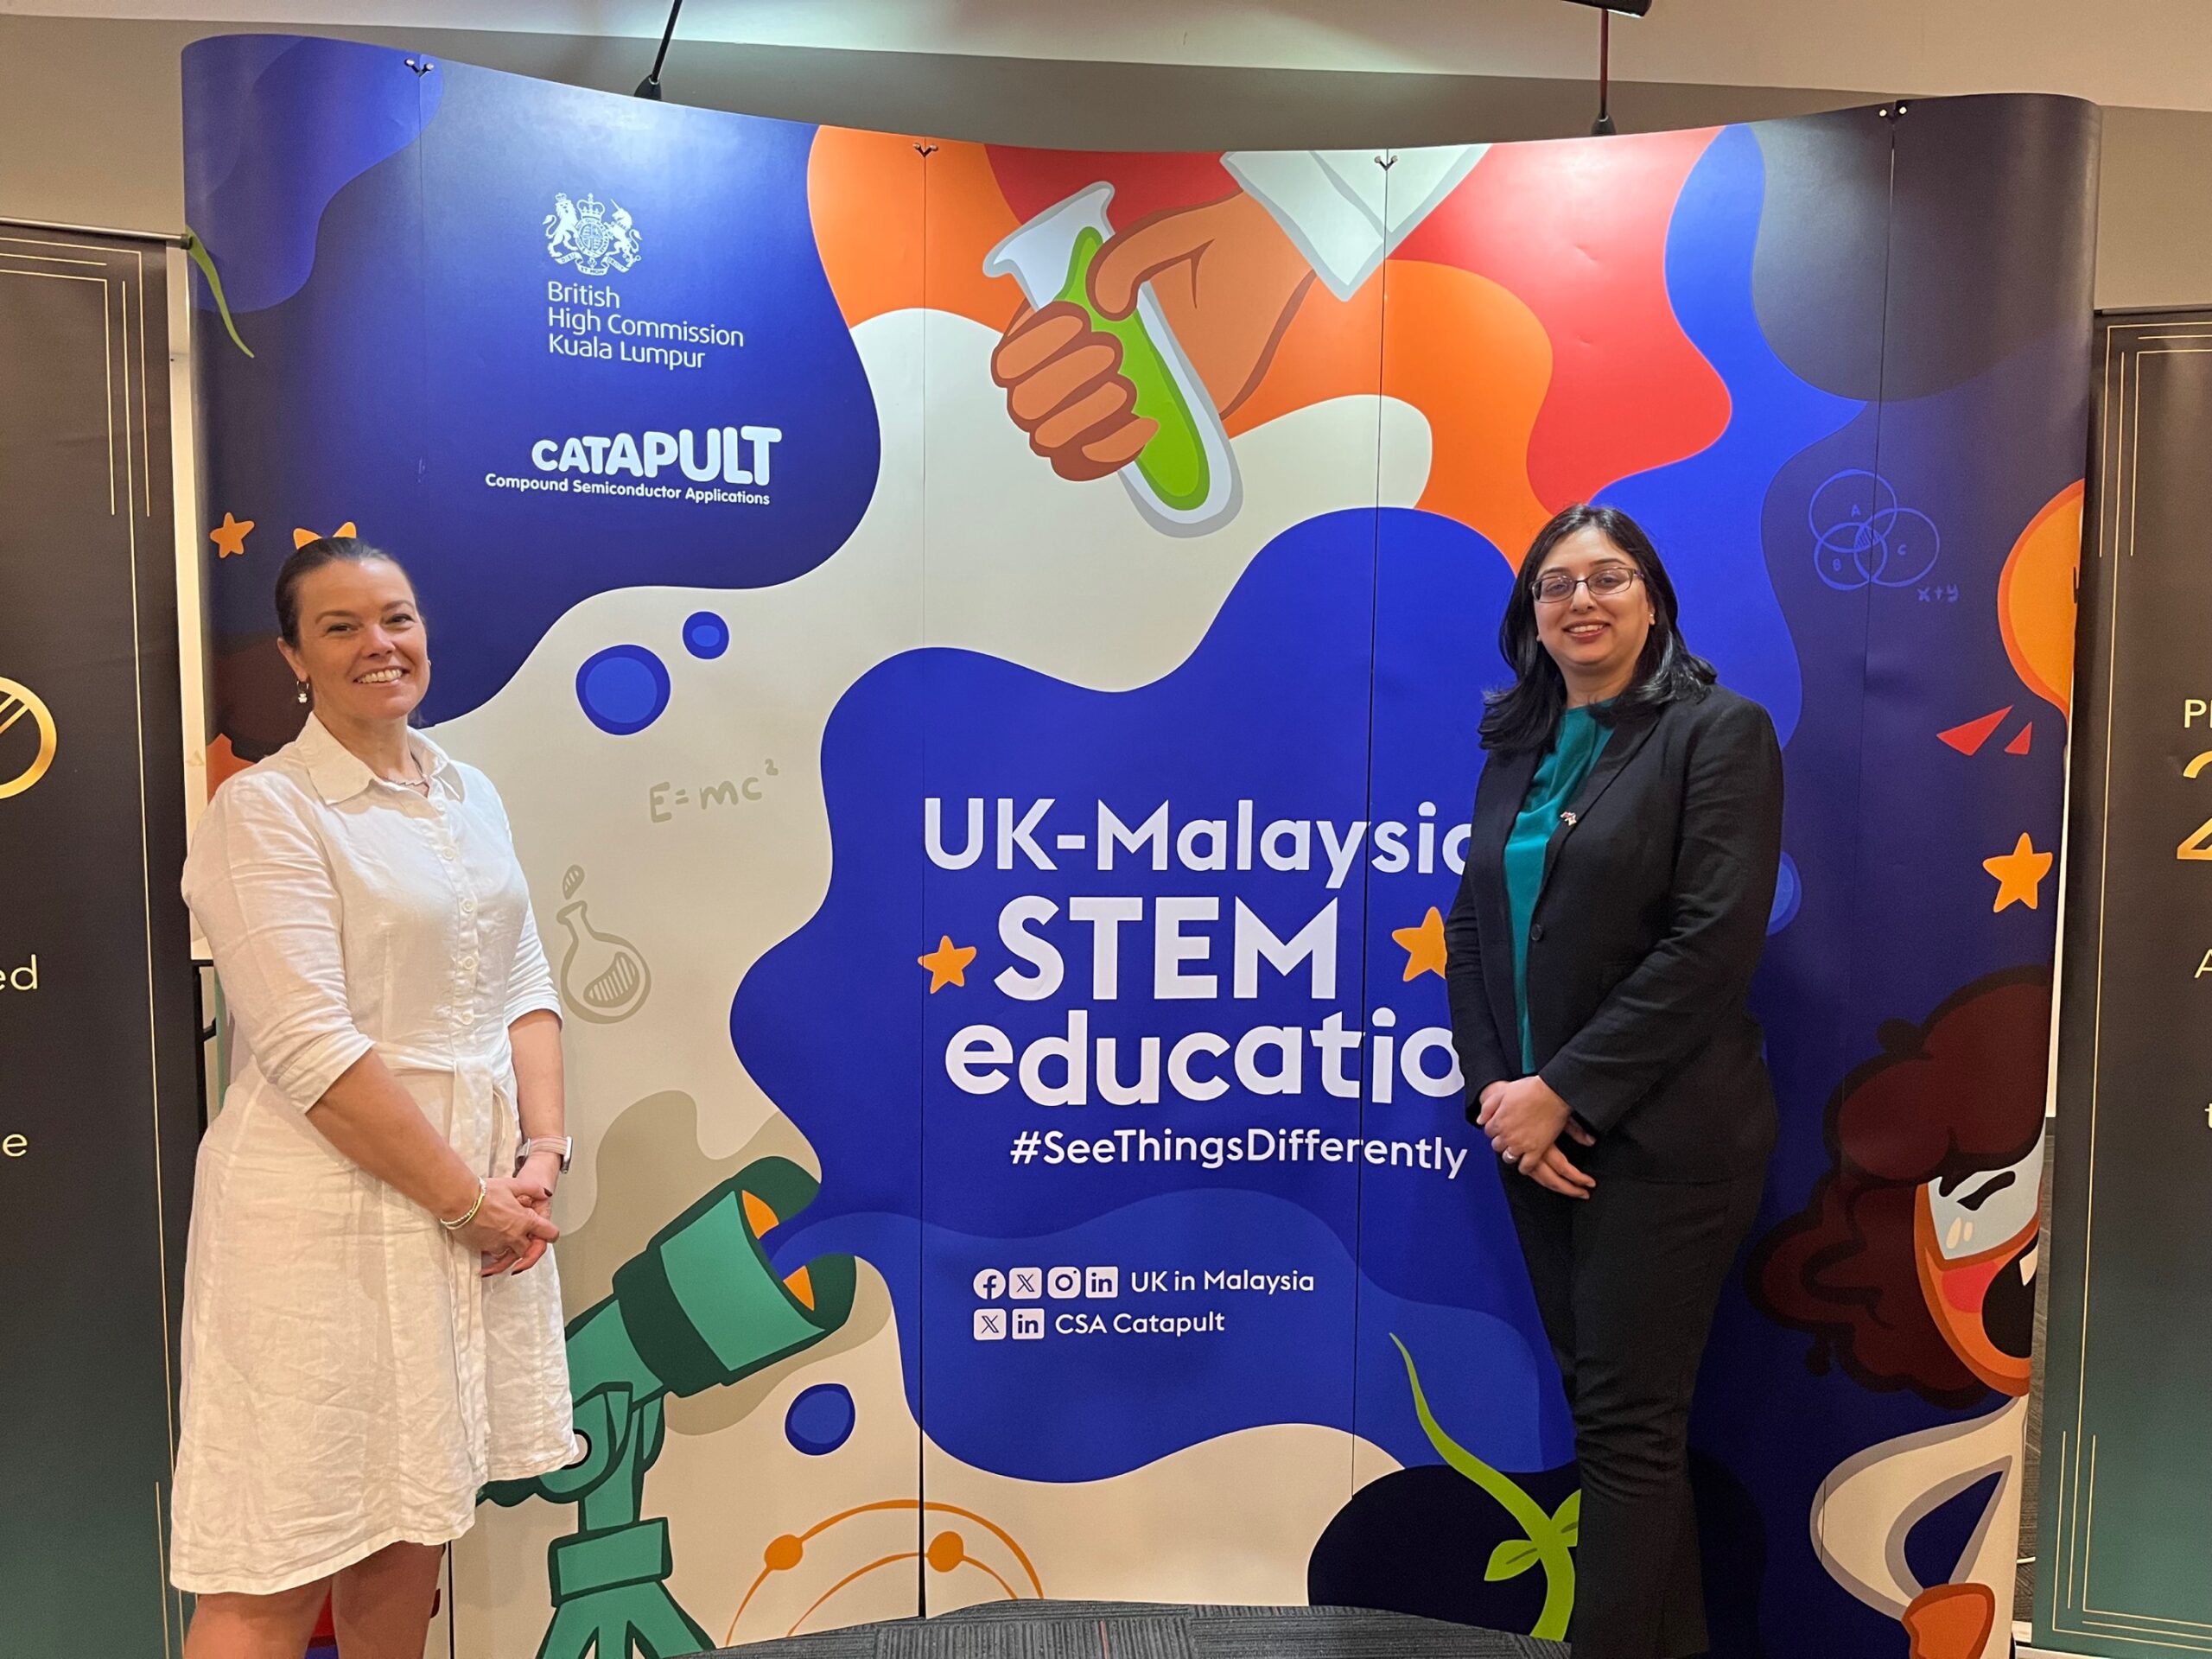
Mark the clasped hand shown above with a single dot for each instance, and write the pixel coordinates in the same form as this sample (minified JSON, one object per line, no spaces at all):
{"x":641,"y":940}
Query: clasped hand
{"x":1524,"y":1119}
{"x":514,"y":1224}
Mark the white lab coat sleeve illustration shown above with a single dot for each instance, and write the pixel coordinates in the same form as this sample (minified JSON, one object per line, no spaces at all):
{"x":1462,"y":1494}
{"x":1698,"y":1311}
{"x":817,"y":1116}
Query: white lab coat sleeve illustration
{"x":1342,"y":208}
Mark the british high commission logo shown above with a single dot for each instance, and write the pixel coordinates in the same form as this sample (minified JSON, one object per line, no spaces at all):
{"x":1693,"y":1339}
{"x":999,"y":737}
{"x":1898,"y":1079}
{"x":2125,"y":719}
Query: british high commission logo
{"x":711,"y":459}
{"x":593,"y":236}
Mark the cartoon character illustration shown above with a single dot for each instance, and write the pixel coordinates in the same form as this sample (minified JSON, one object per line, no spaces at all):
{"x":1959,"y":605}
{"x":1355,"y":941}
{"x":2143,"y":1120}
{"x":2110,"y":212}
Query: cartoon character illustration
{"x":699,"y":1307}
{"x":1913,"y":1266}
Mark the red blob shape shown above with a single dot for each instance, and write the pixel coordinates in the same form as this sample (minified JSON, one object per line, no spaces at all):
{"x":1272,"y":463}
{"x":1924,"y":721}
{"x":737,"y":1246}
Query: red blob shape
{"x":1969,"y":738}
{"x":1032,"y":179}
{"x":2019,"y":745}
{"x":1577,"y":231}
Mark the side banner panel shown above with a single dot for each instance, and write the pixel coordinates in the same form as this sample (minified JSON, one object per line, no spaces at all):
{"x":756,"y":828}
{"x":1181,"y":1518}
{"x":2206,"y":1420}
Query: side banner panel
{"x":1907,"y":1269}
{"x":2129,"y":1359}
{"x":98,"y":1098}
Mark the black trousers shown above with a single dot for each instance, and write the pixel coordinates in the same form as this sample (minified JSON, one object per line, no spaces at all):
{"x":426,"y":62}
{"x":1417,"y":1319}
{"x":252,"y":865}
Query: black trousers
{"x":1626,"y":1281}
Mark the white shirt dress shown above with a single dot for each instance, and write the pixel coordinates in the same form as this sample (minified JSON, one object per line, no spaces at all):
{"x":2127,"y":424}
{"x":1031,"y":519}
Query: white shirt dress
{"x":350,"y":1380}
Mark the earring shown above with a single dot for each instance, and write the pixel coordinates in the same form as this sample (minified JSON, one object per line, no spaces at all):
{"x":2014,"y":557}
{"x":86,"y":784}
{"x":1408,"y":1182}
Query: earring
{"x":304,"y":690}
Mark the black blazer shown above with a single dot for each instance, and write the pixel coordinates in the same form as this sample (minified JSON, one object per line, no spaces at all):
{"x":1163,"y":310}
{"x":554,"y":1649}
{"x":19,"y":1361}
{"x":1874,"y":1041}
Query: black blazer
{"x":1657,"y":885}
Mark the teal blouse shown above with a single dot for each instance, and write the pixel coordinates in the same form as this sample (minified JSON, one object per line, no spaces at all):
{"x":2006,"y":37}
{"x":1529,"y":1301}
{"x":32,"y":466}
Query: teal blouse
{"x":1574,"y":751}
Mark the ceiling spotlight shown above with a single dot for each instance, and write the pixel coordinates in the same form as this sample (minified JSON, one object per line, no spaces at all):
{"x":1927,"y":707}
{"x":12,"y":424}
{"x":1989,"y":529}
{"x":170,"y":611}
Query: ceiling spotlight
{"x":650,"y":86}
{"x":1603,"y":127}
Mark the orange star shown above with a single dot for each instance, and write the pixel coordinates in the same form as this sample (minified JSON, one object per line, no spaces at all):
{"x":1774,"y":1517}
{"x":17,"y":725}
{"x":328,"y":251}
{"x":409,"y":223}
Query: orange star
{"x":302,"y":537}
{"x":229,"y":537}
{"x":1424,"y":945}
{"x":948,"y":963}
{"x":2019,"y":875}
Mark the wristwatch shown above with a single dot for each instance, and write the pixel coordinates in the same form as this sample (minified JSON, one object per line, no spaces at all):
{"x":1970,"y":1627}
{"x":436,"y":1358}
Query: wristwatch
{"x":560,"y":1143}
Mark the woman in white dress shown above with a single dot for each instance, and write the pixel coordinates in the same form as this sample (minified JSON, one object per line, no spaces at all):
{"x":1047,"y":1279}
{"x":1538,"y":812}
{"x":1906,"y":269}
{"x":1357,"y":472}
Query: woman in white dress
{"x":372,"y":1322}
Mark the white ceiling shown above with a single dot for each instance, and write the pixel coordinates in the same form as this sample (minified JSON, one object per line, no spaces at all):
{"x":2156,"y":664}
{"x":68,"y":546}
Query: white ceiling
{"x":2151,"y":53}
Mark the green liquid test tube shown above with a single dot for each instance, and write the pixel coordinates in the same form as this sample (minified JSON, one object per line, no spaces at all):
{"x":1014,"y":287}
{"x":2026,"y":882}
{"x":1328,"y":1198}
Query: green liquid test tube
{"x":1174,"y":461}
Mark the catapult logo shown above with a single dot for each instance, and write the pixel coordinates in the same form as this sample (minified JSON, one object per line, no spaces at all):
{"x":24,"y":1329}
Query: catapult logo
{"x":593,"y":236}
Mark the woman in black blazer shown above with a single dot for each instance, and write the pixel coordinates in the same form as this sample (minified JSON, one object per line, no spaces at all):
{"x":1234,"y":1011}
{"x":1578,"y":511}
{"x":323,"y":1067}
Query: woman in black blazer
{"x":1619,"y":876}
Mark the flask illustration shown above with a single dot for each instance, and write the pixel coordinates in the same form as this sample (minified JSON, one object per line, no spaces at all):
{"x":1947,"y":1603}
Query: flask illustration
{"x":604,"y":978}
{"x":1185,"y":479}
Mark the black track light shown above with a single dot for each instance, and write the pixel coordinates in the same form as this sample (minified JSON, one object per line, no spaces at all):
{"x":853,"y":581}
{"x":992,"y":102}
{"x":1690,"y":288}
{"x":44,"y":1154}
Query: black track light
{"x":650,"y":86}
{"x":1603,"y":127}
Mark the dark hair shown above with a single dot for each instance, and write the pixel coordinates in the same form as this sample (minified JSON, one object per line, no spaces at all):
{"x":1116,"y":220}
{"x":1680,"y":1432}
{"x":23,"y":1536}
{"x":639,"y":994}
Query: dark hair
{"x":310,"y":556}
{"x":1525,"y":714}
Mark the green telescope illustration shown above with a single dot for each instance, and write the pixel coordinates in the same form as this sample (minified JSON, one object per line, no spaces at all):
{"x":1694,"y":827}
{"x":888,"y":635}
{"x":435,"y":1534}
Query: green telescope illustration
{"x":699,"y":1307}
{"x":1185,"y":479}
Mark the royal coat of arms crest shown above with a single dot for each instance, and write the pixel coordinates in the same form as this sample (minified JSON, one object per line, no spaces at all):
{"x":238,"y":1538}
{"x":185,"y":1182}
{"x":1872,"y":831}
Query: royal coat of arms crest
{"x":593,"y":236}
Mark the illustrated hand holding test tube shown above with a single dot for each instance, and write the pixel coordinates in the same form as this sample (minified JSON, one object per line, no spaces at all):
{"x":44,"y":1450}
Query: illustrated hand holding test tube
{"x":1136,"y":345}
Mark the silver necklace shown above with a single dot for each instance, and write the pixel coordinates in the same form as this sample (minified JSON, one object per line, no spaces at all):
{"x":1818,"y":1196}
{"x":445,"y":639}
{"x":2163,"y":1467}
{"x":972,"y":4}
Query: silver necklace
{"x":420,"y":783}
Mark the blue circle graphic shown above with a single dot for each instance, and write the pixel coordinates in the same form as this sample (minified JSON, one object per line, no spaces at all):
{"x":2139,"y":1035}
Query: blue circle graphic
{"x":1788,"y":894}
{"x":705,"y":634}
{"x":821,"y":1420}
{"x":622,"y":688}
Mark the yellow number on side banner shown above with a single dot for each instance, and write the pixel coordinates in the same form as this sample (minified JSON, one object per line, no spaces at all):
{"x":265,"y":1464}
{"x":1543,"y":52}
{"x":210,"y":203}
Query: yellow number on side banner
{"x":2198,"y":845}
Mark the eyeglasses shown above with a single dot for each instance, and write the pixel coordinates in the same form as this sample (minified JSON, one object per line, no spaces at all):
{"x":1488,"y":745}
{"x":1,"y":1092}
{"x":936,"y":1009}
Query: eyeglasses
{"x":1606,"y":581}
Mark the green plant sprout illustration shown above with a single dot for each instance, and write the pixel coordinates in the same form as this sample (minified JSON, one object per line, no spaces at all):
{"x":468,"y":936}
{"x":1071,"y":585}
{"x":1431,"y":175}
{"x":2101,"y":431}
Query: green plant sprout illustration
{"x":699,"y":1307}
{"x":196,"y":251}
{"x":1545,"y":1540}
{"x":1184,"y":478}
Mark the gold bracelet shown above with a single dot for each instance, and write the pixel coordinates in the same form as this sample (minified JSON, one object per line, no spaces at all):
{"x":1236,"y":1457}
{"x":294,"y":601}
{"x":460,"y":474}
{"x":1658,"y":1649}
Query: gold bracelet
{"x":462,"y":1221}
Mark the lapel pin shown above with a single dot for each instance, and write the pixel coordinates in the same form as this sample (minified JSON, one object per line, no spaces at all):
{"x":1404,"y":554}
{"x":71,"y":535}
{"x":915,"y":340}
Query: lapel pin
{"x":1569,"y":819}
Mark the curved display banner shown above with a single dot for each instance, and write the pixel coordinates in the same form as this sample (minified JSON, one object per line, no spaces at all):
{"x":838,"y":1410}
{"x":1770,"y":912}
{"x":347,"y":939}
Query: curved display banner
{"x":994,"y":863}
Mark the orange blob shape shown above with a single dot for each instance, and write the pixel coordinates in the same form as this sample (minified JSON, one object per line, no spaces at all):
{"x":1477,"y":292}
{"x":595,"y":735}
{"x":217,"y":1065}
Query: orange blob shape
{"x":867,"y":191}
{"x":2035,"y":598}
{"x":1576,"y":229}
{"x":864,"y":193}
{"x":1474,"y":359}
{"x":1471,"y":358}
{"x":946,"y":1551}
{"x":783,"y":1553}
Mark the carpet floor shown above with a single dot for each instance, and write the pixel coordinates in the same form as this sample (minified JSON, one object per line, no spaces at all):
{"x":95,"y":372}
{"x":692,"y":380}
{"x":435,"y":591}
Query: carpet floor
{"x":1082,"y":1630}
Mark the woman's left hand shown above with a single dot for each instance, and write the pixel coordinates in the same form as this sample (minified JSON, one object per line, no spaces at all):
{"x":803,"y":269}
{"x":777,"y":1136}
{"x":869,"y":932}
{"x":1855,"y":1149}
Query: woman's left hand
{"x":533,"y":1185}
{"x":537,"y":1178}
{"x":1524,"y":1117}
